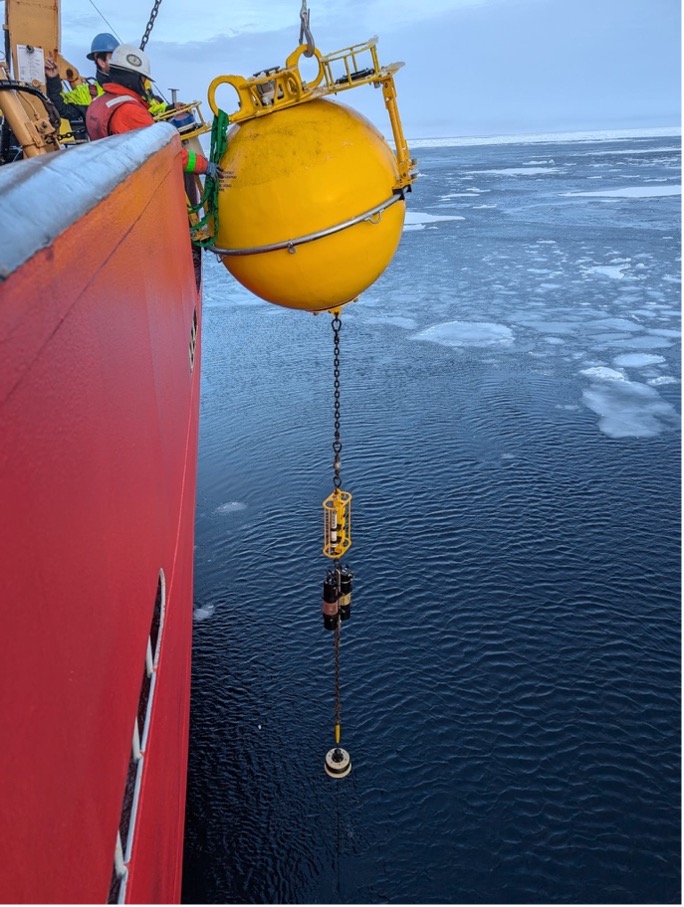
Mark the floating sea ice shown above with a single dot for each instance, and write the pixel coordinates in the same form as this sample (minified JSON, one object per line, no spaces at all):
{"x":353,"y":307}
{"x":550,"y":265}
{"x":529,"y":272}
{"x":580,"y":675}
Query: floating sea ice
{"x":606,"y":374}
{"x":649,"y":342}
{"x":665,"y":332}
{"x":617,"y":324}
{"x":637,"y":360}
{"x":399,"y":321}
{"x":416,"y":218}
{"x":602,"y":340}
{"x":579,"y":137}
{"x":548,"y":327}
{"x":467,"y":333}
{"x":230,"y":507}
{"x":628,"y":409}
{"x":200,"y":614}
{"x":616,"y":272}
{"x":663,"y":379}
{"x":520,"y":171}
{"x":629,"y":192}
{"x":624,"y":151}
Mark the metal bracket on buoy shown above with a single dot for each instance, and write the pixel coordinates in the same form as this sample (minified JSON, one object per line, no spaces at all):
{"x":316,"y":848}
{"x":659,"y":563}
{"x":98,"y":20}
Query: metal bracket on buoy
{"x":278,"y":88}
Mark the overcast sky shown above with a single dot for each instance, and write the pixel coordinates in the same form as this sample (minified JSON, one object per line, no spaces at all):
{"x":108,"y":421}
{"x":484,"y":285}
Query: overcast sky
{"x":473,"y":67}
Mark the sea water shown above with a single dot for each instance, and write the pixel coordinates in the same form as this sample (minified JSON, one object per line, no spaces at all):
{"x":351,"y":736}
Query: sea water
{"x":510,"y":398}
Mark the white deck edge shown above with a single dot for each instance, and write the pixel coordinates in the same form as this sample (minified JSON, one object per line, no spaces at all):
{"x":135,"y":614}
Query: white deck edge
{"x":42,"y":197}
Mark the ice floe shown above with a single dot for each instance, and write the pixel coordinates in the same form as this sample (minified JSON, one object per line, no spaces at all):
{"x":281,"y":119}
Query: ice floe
{"x":399,"y":321}
{"x":650,"y":342}
{"x":624,"y":151}
{"x":617,"y":324}
{"x":519,"y":171}
{"x":628,"y":409}
{"x":467,"y":333}
{"x":628,"y":192}
{"x":534,"y":138}
{"x":662,"y":379}
{"x":603,"y":373}
{"x":637,"y":360}
{"x":666,"y":332}
{"x":470,"y":192}
{"x":419,"y":218}
{"x":230,"y":507}
{"x":616,"y":272}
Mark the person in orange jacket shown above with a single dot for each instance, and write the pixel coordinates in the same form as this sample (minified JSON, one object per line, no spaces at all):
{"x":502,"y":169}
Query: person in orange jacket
{"x":123,"y":107}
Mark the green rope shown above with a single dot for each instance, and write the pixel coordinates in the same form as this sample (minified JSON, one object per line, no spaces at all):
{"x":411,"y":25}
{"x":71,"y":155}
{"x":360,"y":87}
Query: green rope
{"x":209,"y":200}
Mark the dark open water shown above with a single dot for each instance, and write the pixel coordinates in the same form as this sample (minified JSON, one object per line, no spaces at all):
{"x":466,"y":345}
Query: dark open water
{"x":511,"y":672}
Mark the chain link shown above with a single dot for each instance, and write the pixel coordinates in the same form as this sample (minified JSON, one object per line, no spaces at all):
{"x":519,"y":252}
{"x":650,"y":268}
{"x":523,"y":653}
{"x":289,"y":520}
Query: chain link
{"x":150,"y":24}
{"x":337,"y":443}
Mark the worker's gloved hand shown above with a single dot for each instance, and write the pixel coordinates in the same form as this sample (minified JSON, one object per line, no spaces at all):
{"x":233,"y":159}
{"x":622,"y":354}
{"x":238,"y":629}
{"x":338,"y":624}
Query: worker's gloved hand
{"x":219,"y":173}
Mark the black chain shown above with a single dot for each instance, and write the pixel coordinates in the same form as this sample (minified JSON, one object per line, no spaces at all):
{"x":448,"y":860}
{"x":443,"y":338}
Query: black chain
{"x":337,"y":443}
{"x":150,"y":24}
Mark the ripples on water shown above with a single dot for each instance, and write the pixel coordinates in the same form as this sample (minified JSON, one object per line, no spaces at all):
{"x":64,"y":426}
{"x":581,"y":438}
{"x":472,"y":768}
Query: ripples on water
{"x":511,"y":669}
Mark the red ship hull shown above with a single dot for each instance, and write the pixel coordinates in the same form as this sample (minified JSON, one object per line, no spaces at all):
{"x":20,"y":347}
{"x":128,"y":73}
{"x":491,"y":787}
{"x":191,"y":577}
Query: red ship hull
{"x":99,"y":400}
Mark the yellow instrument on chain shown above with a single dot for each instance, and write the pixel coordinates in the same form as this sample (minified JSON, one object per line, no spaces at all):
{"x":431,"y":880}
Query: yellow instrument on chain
{"x":337,"y":524}
{"x":313,"y":210}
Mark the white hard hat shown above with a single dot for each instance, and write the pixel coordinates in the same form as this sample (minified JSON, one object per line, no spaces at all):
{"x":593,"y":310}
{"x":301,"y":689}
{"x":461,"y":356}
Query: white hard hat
{"x":132,"y":59}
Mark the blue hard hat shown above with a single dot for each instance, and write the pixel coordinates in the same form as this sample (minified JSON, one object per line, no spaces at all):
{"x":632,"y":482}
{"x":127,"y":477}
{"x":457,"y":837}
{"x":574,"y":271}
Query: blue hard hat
{"x":104,"y":43}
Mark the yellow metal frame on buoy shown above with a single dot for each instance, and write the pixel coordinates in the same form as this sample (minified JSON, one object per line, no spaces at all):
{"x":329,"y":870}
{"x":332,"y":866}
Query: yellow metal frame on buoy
{"x":276,"y":89}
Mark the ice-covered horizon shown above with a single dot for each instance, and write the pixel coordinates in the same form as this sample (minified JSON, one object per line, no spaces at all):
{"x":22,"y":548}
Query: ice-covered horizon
{"x":577,"y":136}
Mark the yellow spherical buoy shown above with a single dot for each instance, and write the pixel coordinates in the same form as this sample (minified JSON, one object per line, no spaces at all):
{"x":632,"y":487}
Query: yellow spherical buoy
{"x":312,"y":216}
